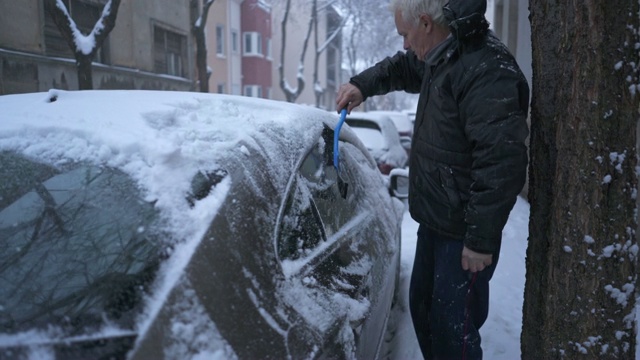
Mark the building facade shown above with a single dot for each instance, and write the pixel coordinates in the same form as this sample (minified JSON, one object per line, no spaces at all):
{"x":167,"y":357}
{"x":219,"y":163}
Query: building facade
{"x":257,"y":62}
{"x":152,"y":47}
{"x":149,"y":48}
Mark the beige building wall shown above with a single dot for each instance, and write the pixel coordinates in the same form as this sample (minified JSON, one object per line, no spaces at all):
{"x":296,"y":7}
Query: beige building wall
{"x":218,"y":63}
{"x":21,"y":25}
{"x":235,"y":56}
{"x":144,"y":15}
{"x":226,"y":71}
{"x":297,"y":27}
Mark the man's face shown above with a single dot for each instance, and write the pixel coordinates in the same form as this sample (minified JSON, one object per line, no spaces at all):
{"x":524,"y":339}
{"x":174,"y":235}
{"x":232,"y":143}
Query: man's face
{"x":416,"y":37}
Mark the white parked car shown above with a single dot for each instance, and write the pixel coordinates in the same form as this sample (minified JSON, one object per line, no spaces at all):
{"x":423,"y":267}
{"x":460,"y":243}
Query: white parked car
{"x":380,"y":135}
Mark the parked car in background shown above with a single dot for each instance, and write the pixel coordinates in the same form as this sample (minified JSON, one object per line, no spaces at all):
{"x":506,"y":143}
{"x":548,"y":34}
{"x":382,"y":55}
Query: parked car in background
{"x":403,"y":123}
{"x":380,"y":135}
{"x":150,"y":224}
{"x":401,"y":120}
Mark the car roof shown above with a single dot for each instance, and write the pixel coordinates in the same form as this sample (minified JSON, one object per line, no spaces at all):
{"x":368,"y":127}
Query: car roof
{"x":156,"y":125}
{"x":400,"y":119}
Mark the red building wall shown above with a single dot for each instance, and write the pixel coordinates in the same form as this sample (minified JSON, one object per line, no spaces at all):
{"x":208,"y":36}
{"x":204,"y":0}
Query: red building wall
{"x":256,"y":69}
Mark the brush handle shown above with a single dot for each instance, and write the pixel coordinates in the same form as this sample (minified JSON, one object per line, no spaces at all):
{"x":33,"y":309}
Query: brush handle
{"x":336,"y":136}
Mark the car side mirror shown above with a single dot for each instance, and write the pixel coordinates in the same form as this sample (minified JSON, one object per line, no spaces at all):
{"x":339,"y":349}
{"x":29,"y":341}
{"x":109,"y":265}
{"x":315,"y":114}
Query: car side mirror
{"x":399,"y":183}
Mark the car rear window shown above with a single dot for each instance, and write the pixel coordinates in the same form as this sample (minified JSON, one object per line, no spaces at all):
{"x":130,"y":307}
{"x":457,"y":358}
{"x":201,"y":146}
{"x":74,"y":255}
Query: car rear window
{"x":78,"y":245}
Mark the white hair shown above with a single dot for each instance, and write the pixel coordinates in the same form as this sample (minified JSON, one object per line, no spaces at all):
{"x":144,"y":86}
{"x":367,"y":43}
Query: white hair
{"x":412,"y":9}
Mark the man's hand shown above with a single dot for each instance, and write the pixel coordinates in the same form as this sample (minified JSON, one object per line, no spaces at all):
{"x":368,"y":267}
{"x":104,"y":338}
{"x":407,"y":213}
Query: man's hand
{"x":349,"y":97}
{"x":474,"y":261}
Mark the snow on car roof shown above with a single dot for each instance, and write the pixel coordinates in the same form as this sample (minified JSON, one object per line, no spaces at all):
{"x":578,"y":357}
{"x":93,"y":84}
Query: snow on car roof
{"x":148,"y":134}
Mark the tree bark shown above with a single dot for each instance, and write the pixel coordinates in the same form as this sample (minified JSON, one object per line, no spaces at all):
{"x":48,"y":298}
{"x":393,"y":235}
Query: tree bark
{"x":201,"y":45}
{"x":581,"y":259}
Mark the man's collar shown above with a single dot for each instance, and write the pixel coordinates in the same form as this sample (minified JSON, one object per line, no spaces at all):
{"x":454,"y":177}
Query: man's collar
{"x":437,"y":52}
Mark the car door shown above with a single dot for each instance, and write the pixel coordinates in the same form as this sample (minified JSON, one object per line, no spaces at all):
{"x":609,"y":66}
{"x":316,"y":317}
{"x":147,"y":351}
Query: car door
{"x":332,"y":245}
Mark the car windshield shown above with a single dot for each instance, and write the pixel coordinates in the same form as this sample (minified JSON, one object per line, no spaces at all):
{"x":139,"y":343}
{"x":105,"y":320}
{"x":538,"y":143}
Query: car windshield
{"x":78,"y":246}
{"x":369,"y":133}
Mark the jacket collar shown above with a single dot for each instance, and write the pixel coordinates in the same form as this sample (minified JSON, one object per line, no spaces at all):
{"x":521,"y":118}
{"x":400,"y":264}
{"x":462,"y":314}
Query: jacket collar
{"x":440,"y":51}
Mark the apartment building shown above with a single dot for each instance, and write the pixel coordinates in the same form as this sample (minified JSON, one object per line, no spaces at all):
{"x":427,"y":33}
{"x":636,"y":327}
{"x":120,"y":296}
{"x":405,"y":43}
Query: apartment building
{"x":150,"y":47}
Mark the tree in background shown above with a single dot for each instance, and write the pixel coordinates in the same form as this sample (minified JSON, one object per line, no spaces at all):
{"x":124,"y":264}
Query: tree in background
{"x":84,"y":47}
{"x":290,"y":92}
{"x":321,"y":47}
{"x":316,"y":9}
{"x":581,"y":278}
{"x":201,"y":46}
{"x":371,"y":35}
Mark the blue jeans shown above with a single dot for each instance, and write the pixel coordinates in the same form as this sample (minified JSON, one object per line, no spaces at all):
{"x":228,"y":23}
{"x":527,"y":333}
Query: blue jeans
{"x":448,"y":304}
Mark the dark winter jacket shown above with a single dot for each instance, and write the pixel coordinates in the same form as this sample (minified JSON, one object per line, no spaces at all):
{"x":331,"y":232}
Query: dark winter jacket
{"x":468,"y":155}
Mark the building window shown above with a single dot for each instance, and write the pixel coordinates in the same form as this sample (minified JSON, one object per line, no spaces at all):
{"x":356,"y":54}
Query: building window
{"x":268,"y":92}
{"x":234,"y":41}
{"x":220,"y":40}
{"x":170,"y":52}
{"x":221,"y":88}
{"x":85,"y":15}
{"x":252,"y":43}
{"x":253,"y":91}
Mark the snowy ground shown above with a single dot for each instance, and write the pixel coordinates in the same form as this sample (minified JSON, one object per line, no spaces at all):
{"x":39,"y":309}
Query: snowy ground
{"x":501,"y":332}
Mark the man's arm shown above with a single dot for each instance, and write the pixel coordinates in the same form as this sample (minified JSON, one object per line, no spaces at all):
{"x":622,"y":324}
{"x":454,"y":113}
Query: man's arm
{"x":403,"y":71}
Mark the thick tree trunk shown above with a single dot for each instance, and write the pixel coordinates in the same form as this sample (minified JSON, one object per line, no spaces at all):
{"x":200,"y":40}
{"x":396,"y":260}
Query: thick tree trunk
{"x":201,"y":61}
{"x":201,"y":46}
{"x":581,"y":259}
{"x":85,"y":72}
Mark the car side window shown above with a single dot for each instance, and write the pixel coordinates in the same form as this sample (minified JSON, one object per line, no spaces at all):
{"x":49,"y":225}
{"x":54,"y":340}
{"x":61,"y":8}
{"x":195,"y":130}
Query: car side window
{"x":315,"y":209}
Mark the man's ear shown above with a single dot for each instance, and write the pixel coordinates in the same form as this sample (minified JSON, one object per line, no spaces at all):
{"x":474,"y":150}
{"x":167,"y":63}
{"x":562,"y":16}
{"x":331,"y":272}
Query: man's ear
{"x":426,"y":21}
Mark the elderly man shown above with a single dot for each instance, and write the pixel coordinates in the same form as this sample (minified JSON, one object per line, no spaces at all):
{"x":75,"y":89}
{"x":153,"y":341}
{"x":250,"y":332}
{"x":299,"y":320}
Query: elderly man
{"x":468,"y":160}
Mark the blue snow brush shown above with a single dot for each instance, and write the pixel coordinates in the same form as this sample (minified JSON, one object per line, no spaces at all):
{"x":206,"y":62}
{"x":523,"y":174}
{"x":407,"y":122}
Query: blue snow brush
{"x":342,"y":185}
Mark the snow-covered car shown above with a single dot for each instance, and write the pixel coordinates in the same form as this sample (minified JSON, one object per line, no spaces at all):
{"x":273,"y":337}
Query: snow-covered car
{"x":403,"y":124}
{"x":380,"y":135}
{"x":158,"y":224}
